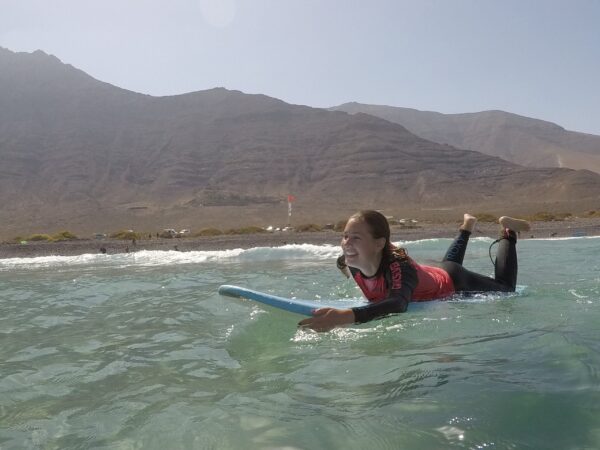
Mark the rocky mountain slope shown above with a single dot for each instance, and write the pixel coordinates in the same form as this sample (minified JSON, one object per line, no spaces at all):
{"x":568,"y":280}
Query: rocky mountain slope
{"x":83,"y":155}
{"x":522,"y":140}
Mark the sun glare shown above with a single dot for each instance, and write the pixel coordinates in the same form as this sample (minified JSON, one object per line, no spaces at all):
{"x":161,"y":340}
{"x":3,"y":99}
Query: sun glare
{"x":218,"y":13}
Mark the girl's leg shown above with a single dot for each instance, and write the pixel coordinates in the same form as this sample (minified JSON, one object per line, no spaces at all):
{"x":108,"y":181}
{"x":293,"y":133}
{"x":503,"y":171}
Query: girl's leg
{"x":466,"y":281}
{"x":505,"y":276}
{"x":456,"y":251}
{"x":506,"y":266}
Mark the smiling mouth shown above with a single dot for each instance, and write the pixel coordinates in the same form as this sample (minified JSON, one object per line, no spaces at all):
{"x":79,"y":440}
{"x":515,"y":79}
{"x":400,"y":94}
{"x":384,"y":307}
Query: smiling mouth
{"x":350,"y":254}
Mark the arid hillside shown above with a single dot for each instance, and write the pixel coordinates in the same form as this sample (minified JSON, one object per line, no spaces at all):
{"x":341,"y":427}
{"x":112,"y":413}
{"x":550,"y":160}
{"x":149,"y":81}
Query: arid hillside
{"x":522,"y":140}
{"x":86,"y":156}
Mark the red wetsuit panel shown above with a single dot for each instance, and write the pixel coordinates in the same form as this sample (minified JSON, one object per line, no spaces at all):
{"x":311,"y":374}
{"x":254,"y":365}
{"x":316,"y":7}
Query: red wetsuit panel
{"x":373,"y":288}
{"x":434,"y":283}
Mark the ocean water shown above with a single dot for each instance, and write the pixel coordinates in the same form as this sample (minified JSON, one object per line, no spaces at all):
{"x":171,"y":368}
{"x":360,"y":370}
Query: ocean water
{"x":138,"y":351}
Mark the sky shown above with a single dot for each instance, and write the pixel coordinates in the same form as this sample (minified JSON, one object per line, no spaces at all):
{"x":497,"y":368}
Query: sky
{"x":537,"y":58}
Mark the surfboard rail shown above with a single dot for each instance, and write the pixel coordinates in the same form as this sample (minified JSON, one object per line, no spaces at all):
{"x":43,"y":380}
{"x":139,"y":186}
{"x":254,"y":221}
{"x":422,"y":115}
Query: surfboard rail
{"x":303,"y":307}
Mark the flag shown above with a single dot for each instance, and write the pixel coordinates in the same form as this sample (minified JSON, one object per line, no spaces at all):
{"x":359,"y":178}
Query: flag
{"x":291,"y":198}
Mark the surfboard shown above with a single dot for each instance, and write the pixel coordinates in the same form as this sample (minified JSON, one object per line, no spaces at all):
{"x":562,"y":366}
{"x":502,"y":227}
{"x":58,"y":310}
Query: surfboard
{"x":304,"y":307}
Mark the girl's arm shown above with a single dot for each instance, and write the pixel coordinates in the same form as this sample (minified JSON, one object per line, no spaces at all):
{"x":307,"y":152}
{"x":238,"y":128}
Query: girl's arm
{"x":325,"y":319}
{"x":398,"y":300}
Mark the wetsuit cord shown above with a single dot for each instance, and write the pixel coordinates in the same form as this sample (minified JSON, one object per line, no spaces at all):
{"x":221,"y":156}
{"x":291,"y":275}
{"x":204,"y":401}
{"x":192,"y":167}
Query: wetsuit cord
{"x":490,"y":250}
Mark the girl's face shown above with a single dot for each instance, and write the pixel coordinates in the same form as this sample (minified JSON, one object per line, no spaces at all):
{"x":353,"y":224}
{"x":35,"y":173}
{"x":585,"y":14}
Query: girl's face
{"x":360,"y":248}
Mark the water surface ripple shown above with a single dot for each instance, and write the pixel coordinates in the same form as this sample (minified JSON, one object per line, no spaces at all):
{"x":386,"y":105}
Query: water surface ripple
{"x":139,"y":352}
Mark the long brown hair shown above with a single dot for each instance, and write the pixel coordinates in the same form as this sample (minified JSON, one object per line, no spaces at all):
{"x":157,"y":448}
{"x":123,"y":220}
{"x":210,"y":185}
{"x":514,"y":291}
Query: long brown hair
{"x":379,"y":228}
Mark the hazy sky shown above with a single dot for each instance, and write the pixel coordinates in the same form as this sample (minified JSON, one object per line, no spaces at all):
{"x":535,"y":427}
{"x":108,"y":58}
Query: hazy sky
{"x":539,"y":58}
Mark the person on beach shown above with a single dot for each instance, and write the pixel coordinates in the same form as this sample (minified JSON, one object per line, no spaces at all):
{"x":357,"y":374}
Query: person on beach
{"x":390,"y":279}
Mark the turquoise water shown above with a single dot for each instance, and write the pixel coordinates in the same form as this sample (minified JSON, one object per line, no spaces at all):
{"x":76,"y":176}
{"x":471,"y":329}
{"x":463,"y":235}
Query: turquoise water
{"x":137,"y":351}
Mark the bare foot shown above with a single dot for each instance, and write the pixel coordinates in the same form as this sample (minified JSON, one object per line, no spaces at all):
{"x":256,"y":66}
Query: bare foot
{"x":469,"y":222}
{"x":513,"y":224}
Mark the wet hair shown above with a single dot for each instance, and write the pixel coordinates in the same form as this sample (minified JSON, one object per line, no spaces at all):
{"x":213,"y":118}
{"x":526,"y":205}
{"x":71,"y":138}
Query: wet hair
{"x":379,"y":228}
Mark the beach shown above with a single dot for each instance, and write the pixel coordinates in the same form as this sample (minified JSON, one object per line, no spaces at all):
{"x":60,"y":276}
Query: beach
{"x":574,"y":227}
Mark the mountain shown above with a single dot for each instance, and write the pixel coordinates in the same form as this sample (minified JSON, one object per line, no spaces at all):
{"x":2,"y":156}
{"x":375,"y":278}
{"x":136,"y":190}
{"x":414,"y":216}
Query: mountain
{"x":522,"y":140}
{"x":86,"y":156}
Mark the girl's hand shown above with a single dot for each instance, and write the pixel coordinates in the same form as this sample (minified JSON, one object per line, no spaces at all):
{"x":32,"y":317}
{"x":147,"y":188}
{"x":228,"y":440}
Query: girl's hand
{"x":325,"y":319}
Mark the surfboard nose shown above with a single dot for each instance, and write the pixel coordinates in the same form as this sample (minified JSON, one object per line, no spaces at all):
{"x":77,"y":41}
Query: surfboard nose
{"x":228,"y":290}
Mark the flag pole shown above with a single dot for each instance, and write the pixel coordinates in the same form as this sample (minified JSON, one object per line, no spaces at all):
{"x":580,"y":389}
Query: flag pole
{"x":290,"y":199}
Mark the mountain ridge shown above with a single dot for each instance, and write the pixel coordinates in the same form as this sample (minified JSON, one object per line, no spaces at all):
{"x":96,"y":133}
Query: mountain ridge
{"x":516,"y":138}
{"x":83,"y":155}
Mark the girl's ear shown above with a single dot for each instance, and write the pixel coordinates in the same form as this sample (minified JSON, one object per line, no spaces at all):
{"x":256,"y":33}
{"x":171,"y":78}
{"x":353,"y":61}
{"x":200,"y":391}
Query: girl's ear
{"x":380,"y":243}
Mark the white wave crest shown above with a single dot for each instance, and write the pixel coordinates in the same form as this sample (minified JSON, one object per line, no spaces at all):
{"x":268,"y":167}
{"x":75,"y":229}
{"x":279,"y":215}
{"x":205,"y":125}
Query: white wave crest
{"x":567,"y":238}
{"x":47,"y":261}
{"x":418,"y":242}
{"x":146,"y":258}
{"x":292,"y":251}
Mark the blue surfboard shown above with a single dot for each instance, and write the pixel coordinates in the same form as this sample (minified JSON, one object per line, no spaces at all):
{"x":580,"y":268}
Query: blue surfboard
{"x":304,"y":307}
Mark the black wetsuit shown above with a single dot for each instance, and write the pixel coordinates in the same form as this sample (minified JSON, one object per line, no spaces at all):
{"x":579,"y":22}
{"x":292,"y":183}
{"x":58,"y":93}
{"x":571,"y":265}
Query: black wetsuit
{"x":505,"y":272}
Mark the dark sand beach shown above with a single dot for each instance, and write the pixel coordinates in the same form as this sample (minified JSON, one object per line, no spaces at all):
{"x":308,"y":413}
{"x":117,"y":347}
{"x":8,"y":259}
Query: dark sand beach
{"x":567,"y":228}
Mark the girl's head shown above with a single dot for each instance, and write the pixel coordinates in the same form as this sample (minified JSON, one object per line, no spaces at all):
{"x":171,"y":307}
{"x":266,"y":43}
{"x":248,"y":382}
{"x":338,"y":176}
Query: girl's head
{"x":366,"y":239}
{"x":377,"y":223}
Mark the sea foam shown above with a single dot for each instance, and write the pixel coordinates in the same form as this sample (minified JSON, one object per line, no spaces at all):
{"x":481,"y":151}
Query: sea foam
{"x":146,"y":258}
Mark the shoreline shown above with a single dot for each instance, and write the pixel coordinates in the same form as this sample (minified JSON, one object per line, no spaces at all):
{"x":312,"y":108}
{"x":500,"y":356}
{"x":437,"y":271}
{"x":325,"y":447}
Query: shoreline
{"x":557,"y":229}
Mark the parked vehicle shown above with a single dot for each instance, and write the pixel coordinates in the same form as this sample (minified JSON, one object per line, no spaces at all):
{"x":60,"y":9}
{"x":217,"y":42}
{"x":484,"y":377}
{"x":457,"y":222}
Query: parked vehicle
{"x":168,"y":233}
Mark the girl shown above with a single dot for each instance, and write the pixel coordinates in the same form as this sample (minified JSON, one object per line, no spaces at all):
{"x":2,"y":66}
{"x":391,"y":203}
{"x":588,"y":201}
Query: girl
{"x":390,"y":279}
